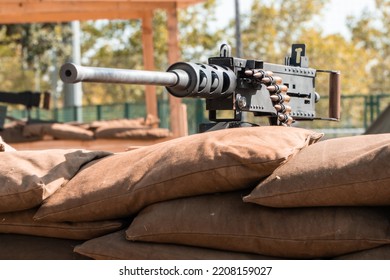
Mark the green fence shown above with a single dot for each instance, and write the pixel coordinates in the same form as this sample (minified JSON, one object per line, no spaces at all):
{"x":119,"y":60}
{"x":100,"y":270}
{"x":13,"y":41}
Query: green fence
{"x":358,"y":112}
{"x":195,"y":111}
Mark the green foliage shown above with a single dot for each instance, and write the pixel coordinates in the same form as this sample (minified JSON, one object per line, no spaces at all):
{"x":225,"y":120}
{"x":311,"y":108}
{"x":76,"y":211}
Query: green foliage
{"x":268,"y":30}
{"x":27,"y":52}
{"x":198,"y":31}
{"x":370,"y":31}
{"x":333,"y":52}
{"x":274,"y":25}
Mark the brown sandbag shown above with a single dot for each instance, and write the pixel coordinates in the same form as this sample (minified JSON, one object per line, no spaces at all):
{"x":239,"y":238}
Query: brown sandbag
{"x":131,"y":133}
{"x":225,"y":222}
{"x":29,"y":177}
{"x":58,"y":131}
{"x":22,"y":222}
{"x":25,"y":247}
{"x":378,"y":253}
{"x":224,"y":160}
{"x":4,"y":147}
{"x":13,"y":133}
{"x":114,"y":246}
{"x":337,"y":172}
{"x":135,"y":123}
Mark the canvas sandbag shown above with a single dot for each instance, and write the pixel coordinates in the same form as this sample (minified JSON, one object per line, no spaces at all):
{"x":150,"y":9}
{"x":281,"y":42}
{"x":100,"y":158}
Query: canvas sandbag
{"x":225,"y":222}
{"x":224,"y":160}
{"x":131,"y":123}
{"x":121,"y":132}
{"x":58,"y":131}
{"x":337,"y":172}
{"x":67,"y":131}
{"x":27,"y":247}
{"x":29,"y":177}
{"x":22,"y":222}
{"x":378,"y":253}
{"x":4,"y":147}
{"x":114,"y":246}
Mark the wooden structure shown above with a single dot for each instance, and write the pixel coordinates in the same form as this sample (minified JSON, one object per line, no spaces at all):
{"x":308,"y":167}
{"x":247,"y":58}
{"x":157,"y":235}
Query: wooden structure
{"x":30,"y":11}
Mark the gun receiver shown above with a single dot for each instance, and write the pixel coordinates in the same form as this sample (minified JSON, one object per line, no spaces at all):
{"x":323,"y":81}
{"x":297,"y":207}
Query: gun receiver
{"x":284,"y":93}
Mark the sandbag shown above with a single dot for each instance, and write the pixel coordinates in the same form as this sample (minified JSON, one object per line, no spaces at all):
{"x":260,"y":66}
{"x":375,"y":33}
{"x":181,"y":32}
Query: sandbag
{"x":225,"y":222}
{"x":58,"y":131}
{"x":224,"y":160}
{"x":349,"y":171}
{"x":13,"y":133}
{"x":134,"y":123}
{"x":22,"y":222}
{"x":114,"y":246}
{"x":4,"y":147}
{"x":29,"y":177}
{"x":26,"y":247}
{"x":378,"y":253}
{"x":131,"y":133}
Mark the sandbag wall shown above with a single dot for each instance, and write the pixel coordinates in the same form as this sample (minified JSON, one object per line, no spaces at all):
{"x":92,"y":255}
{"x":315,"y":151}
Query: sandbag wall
{"x":243,"y":193}
{"x":139,"y":128}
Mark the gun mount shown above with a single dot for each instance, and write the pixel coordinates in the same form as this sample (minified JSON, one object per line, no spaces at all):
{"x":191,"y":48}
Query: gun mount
{"x":284,"y":93}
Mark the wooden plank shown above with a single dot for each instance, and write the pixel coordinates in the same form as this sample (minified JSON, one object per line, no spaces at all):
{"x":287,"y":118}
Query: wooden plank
{"x":95,"y":1}
{"x":148,"y":56}
{"x":61,"y":17}
{"x":66,"y":6}
{"x":56,"y":12}
{"x":178,"y":2}
{"x":17,"y":11}
{"x":178,"y":117}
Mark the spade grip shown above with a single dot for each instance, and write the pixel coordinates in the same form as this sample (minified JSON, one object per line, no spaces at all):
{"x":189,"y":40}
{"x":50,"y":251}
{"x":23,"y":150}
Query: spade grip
{"x":334,"y":95}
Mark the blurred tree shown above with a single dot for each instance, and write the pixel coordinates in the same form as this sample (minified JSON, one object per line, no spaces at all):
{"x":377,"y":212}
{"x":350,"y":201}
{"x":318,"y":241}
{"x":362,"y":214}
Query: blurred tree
{"x":31,"y":48}
{"x":268,"y":30}
{"x":273,"y":25}
{"x":199,"y":33}
{"x":370,"y":31}
{"x":118,"y":44}
{"x":333,"y":52}
{"x":111,"y":44}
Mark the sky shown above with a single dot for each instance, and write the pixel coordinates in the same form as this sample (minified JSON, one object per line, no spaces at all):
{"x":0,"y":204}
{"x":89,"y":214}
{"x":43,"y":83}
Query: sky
{"x":333,"y":20}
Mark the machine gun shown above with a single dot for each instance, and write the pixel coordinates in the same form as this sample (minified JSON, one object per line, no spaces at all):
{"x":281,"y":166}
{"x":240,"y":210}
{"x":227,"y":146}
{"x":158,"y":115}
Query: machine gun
{"x":284,"y":93}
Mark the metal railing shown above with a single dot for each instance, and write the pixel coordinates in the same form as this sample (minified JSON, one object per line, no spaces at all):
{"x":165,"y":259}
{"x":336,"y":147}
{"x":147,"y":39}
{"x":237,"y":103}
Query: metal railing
{"x":358,"y":112}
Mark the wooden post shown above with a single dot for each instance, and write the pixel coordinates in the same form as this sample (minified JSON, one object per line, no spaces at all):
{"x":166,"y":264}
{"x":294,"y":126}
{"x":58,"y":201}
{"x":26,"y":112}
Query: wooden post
{"x":178,"y":117}
{"x":148,"y":55}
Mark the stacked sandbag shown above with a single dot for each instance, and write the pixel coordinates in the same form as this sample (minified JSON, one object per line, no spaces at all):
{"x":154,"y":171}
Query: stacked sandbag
{"x":350,"y":171}
{"x":27,"y":179}
{"x":115,"y":246}
{"x":4,"y":147}
{"x":28,"y":247}
{"x":242,"y":193}
{"x":14,"y":133}
{"x":328,"y":200}
{"x":225,"y":222}
{"x":122,"y":185}
{"x":129,"y":129}
{"x":58,"y":131}
{"x":138,"y":128}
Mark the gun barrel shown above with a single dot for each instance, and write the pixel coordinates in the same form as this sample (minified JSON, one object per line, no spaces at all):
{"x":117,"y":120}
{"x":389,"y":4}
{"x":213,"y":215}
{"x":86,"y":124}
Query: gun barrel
{"x":182,"y":79}
{"x":73,"y":73}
